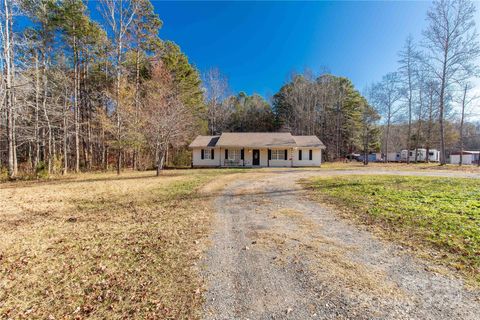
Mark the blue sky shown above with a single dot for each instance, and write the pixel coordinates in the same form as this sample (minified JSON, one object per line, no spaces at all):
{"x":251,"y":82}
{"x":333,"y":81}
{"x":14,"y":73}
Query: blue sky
{"x":258,"y":45}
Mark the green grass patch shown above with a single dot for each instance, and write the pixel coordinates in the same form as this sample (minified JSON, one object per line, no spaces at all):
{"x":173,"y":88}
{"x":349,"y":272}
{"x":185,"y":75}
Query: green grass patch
{"x":424,"y":212}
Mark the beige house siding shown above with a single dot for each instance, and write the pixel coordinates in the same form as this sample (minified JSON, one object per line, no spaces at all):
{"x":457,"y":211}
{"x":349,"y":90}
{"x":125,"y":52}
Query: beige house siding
{"x":199,"y":162}
{"x":305,"y":162}
{"x":292,"y":158}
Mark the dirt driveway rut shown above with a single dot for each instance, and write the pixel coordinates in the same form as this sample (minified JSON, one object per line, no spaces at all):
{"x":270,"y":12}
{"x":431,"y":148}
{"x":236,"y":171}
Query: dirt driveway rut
{"x":277,"y":255}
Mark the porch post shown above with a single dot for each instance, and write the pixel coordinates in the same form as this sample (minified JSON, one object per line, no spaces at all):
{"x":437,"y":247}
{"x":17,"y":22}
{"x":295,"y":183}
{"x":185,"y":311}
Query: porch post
{"x":291,"y":157}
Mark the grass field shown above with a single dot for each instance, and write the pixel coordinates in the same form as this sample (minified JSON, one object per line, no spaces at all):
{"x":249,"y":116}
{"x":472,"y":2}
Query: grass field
{"x":439,"y":216}
{"x":400,"y":166}
{"x":105,"y":246}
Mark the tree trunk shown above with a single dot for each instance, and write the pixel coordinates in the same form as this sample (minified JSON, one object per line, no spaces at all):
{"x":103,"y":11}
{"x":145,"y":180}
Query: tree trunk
{"x":464,"y":100}
{"x":137,"y":103}
{"x":76,"y":105}
{"x":160,"y":160}
{"x":387,"y":134}
{"x":37,"y":111}
{"x":409,"y":131}
{"x":443,"y":155}
{"x":419,"y":127}
{"x":430,"y":123}
{"x":65,"y":131}
{"x":44,"y":107}
{"x":9,"y":107}
{"x":117,"y":97}
{"x":104,"y":145}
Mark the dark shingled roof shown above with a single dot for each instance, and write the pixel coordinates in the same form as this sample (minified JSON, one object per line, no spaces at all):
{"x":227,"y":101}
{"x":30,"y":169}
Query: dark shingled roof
{"x":204,"y":141}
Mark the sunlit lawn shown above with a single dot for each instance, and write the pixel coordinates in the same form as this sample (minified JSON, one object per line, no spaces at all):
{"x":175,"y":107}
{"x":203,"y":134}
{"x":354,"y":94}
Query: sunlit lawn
{"x":425,"y":212}
{"x":102,"y":246}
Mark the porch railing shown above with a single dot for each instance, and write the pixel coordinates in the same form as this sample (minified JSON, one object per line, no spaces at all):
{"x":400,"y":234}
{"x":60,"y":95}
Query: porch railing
{"x":233,"y":163}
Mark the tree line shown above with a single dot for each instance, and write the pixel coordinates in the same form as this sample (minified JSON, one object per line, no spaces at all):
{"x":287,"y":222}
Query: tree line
{"x":79,"y":94}
{"x":326,"y":106}
{"x":427,"y":101}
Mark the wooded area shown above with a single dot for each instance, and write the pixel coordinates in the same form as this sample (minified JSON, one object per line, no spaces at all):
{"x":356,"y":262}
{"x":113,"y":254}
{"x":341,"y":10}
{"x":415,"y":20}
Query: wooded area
{"x":428,"y":100}
{"x":79,"y":94}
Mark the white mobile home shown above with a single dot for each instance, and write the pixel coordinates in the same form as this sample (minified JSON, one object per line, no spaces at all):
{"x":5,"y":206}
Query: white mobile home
{"x":468,"y":157}
{"x":256,"y":149}
{"x":393,"y":157}
{"x":433,"y":155}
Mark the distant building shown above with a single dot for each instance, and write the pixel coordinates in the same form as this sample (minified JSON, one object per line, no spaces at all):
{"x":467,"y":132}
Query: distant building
{"x":433,"y":155}
{"x":468,"y":157}
{"x":393,"y":157}
{"x":372,"y":157}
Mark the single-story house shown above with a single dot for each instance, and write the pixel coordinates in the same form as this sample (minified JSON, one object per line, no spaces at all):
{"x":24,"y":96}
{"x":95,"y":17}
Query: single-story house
{"x":468,"y":157}
{"x":256,"y":149}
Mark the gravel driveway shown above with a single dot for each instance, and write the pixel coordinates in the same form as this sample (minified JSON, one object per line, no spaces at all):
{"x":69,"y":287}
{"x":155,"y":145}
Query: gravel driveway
{"x":277,"y":255}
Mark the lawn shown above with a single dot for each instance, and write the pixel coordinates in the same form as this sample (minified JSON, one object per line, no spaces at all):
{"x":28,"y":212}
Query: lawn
{"x":400,"y":166}
{"x":437,"y":216}
{"x":105,"y":246}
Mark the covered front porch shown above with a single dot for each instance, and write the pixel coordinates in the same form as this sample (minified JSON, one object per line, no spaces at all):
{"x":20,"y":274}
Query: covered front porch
{"x":256,"y":157}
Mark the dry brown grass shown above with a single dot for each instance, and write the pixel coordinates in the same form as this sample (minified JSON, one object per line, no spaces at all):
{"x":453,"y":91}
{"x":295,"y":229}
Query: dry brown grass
{"x":325,"y":258}
{"x":102,"y":246}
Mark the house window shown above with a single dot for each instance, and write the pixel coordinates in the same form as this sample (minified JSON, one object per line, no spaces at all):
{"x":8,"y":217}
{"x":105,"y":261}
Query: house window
{"x":299,"y":154}
{"x":278,"y":154}
{"x":310,"y":154}
{"x":208,"y":154}
{"x":234,"y":154}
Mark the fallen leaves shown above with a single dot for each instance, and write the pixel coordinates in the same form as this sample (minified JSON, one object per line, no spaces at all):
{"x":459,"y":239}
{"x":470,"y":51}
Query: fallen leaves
{"x":109,"y":248}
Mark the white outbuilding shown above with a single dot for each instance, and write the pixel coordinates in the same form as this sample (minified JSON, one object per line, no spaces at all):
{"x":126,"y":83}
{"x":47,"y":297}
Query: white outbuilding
{"x":468,"y":157}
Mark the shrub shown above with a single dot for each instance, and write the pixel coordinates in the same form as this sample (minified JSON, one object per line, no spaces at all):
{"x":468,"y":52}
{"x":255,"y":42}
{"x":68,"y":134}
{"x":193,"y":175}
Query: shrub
{"x":41,"y":170}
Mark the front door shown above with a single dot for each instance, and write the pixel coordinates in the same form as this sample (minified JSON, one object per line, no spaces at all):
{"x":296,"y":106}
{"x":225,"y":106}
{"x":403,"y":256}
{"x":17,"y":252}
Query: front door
{"x":256,"y":157}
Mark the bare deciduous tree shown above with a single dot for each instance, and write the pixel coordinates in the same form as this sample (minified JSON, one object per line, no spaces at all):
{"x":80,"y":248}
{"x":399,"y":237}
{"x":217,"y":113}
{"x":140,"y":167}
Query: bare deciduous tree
{"x":165,"y":119}
{"x":8,"y":85}
{"x":465,"y":101}
{"x":408,"y":58}
{"x":452,"y":48}
{"x":385,"y":96}
{"x":216,"y":91}
{"x":119,"y":15}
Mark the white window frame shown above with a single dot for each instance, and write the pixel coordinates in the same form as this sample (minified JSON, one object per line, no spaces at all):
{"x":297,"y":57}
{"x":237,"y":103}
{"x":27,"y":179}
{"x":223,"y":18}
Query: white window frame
{"x":207,"y":154}
{"x":278,"y":154}
{"x":234,"y":154}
